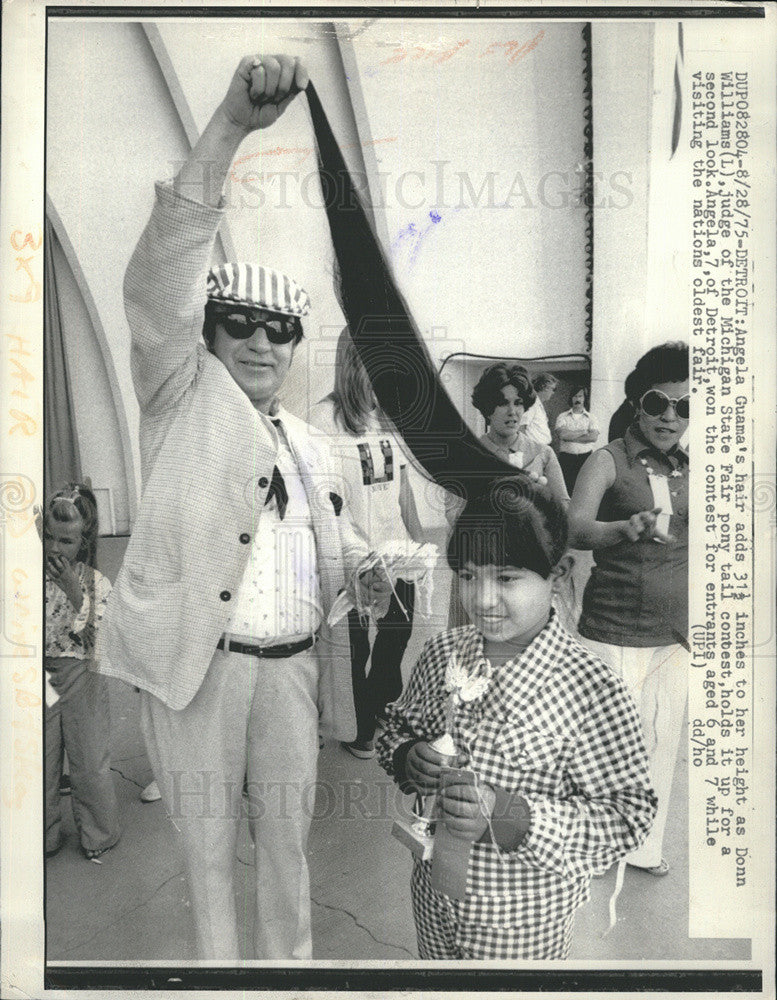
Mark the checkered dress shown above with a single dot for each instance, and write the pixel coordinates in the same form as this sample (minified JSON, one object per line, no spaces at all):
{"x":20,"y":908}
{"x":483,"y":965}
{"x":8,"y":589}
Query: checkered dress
{"x":557,"y":726}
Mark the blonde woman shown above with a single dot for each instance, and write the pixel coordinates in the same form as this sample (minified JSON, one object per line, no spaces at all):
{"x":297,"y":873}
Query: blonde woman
{"x":382,"y":507}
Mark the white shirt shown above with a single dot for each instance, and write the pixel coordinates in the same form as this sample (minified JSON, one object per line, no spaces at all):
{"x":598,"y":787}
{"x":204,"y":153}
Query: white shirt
{"x":571,"y":421}
{"x":370,"y":465}
{"x":535,"y":424}
{"x":279,"y":597}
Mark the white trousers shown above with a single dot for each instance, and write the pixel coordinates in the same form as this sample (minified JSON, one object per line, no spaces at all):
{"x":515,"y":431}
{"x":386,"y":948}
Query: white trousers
{"x":657,"y":677}
{"x":254,"y":718}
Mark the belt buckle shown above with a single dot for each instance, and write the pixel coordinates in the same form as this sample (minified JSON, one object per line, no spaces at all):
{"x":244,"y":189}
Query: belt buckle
{"x":249,"y":649}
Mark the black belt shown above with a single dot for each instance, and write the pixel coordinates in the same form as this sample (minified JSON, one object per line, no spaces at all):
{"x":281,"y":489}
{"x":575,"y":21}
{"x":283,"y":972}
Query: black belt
{"x":280,"y":652}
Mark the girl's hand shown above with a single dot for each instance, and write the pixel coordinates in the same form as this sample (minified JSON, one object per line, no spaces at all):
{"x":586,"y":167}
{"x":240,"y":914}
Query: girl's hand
{"x":643,"y":525}
{"x":261,"y":90}
{"x":423,"y":765}
{"x":63,"y":574}
{"x":466,"y":807}
{"x":375,"y":589}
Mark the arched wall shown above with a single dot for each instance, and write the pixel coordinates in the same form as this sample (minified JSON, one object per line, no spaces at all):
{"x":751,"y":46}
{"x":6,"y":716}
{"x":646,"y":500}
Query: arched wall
{"x":104,"y":439}
{"x":108,"y":143}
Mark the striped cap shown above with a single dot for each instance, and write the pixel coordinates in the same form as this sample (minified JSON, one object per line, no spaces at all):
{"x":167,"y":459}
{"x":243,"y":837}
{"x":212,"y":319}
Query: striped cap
{"x":254,"y":285}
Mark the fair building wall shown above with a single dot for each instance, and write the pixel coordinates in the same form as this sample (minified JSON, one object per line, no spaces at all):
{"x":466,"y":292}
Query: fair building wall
{"x":476,"y":154}
{"x":485,"y":279}
{"x":109,"y":142}
{"x":111,"y":129}
{"x":622,"y":104}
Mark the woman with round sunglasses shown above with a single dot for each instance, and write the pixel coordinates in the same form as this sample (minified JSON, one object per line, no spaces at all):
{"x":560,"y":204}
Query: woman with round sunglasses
{"x":630,"y":507}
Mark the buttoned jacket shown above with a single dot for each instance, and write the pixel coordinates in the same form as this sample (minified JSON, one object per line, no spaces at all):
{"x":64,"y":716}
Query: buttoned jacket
{"x":207,"y":458}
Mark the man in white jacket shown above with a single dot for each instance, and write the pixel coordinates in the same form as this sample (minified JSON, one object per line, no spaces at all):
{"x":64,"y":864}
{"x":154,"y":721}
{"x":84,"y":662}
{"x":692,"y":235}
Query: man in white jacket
{"x":241,"y":545}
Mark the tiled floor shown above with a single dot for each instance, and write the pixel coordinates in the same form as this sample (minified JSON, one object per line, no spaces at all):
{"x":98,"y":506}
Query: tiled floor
{"x":134,"y":906}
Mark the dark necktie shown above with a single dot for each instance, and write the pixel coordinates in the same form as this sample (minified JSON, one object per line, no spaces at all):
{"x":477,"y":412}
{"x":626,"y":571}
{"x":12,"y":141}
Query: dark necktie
{"x":278,"y":487}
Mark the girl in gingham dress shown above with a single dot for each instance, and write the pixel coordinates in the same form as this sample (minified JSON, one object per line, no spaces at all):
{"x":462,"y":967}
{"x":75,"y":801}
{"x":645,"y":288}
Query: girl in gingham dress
{"x":78,"y":721}
{"x":561,"y":787}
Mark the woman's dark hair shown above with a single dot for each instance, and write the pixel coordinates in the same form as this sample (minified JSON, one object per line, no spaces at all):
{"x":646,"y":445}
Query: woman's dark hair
{"x":487,"y":394}
{"x":586,"y":394}
{"x":517,"y":523}
{"x":214,"y":309}
{"x":666,"y":363}
{"x":72,"y":503}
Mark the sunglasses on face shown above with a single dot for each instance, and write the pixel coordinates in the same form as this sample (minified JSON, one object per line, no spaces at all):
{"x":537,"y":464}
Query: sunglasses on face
{"x":655,"y":403}
{"x":241,"y":326}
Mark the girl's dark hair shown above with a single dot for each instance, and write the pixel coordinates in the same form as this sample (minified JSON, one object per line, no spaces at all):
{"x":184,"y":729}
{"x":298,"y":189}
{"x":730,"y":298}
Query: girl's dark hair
{"x":73,"y":502}
{"x":586,"y":394}
{"x":487,"y":394}
{"x":517,"y":523}
{"x":213,"y":309}
{"x":666,"y":363}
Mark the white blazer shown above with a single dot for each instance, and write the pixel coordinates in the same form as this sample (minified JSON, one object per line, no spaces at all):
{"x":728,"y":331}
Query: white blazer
{"x":206,"y":459}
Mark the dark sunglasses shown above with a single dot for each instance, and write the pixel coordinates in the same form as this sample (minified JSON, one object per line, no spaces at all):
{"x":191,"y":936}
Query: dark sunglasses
{"x":654,"y":403}
{"x":241,"y":326}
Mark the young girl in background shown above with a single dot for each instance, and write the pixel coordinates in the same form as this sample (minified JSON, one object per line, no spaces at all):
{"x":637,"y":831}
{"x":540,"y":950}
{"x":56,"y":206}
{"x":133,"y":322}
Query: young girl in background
{"x":79,"y":721}
{"x":382,"y":507}
{"x":561,"y":787}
